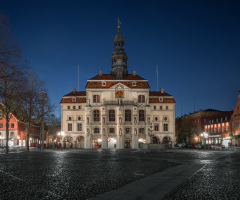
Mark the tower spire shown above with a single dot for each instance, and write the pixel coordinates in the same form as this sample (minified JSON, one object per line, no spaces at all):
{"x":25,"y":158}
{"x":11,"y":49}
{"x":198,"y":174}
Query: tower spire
{"x":119,"y":57}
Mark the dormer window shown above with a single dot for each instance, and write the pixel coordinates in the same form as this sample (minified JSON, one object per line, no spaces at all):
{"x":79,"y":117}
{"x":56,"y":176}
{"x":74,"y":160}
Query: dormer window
{"x":134,"y":84}
{"x":74,"y":99}
{"x":103,"y":83}
{"x":160,"y":99}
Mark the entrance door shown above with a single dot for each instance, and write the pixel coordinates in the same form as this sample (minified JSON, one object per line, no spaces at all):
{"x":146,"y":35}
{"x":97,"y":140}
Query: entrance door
{"x":127,"y":143}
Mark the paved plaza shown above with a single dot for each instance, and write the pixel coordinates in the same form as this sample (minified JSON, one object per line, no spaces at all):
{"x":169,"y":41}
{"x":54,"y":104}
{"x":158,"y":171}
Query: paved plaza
{"x":119,"y":174}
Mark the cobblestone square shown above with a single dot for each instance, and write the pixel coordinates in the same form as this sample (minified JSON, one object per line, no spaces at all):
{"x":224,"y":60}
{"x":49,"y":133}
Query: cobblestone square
{"x":83,"y":174}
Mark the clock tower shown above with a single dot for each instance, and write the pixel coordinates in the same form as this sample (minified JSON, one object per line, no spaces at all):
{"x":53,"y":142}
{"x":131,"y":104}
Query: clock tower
{"x":119,"y":57}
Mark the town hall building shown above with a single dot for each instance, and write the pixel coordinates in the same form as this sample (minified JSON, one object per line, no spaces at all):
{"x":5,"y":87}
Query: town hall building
{"x":117,"y":110}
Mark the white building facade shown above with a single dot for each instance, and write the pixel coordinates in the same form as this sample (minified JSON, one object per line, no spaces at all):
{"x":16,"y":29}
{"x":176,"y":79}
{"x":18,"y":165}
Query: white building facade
{"x":117,"y":110}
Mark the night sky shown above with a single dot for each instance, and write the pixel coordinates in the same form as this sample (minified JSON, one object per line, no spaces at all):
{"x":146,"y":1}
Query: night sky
{"x":196,"y":45}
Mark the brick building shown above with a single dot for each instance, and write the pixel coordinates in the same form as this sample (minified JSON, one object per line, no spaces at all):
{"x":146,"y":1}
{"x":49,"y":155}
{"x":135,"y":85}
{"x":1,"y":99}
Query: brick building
{"x":235,"y":122}
{"x":18,"y":132}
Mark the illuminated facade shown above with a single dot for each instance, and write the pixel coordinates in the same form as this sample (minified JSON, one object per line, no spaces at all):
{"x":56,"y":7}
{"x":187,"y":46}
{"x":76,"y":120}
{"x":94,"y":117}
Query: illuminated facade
{"x":117,"y":110}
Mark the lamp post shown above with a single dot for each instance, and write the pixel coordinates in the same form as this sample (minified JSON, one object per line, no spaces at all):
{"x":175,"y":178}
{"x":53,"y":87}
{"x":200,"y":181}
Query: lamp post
{"x":204,"y":135}
{"x":61,"y":133}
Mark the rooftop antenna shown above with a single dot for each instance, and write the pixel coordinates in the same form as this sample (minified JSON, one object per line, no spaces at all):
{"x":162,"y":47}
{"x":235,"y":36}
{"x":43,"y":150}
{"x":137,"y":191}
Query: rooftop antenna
{"x":78,"y":78}
{"x":157,"y":77}
{"x":194,"y":102}
{"x":181,"y":108}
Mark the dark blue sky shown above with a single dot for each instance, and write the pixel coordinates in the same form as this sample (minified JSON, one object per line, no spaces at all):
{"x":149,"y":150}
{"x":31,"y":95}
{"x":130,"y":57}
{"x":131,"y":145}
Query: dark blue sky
{"x":196,"y":45}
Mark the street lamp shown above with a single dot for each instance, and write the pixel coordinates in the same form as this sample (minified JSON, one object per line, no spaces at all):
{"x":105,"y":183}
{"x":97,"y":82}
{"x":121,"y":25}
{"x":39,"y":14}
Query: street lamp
{"x":61,"y":133}
{"x":204,"y":135}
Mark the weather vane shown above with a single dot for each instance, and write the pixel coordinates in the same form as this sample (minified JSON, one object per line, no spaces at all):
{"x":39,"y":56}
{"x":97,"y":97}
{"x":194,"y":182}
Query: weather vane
{"x":119,"y":23}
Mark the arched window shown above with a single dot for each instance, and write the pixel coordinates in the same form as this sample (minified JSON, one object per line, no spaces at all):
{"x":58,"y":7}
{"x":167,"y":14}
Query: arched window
{"x":112,"y":115}
{"x":141,"y":115}
{"x":96,"y":98}
{"x":127,"y":115}
{"x":96,"y":115}
{"x":96,"y":130}
{"x":141,"y":99}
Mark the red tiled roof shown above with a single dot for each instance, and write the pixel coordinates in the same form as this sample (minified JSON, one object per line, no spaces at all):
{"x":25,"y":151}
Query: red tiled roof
{"x":165,"y":100}
{"x":158,"y":94}
{"x":110,"y":84}
{"x":69,"y":100}
{"x":110,"y":77}
{"x":82,"y":93}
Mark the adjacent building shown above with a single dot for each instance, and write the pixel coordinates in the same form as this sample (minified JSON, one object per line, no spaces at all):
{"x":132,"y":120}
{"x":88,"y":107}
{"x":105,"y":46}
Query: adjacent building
{"x":117,"y":110}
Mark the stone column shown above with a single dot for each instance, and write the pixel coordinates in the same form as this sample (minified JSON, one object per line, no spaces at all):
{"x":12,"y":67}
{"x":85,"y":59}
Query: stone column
{"x":120,"y":131}
{"x":104,"y":139}
{"x":135,"y":139}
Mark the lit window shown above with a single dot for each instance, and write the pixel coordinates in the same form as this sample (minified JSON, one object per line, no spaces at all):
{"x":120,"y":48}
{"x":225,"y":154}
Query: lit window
{"x":111,"y":115}
{"x":141,"y":115}
{"x":96,"y":115}
{"x":141,"y":99}
{"x":69,"y":127}
{"x":96,"y":98}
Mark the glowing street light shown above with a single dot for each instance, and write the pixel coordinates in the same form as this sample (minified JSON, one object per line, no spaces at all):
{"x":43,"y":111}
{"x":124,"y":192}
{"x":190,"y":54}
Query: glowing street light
{"x":204,"y":135}
{"x":61,"y":133}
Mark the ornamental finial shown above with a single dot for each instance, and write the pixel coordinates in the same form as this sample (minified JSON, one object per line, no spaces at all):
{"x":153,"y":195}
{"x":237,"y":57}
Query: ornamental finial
{"x":119,"y":23}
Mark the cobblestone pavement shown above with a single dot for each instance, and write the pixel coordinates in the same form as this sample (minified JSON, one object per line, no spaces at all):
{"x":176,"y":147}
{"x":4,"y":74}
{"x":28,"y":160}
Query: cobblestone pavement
{"x":82,"y":174}
{"x":218,"y":180}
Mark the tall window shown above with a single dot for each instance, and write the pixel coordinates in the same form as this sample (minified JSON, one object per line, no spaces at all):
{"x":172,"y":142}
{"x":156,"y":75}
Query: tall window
{"x":0,"y":115}
{"x":12,"y":135}
{"x":165,"y":127}
{"x":160,"y":107}
{"x":1,"y":125}
{"x":69,"y":127}
{"x":68,"y":107}
{"x":154,"y":107}
{"x":219,"y":129}
{"x":112,"y":115}
{"x":127,"y":115}
{"x":141,"y":130}
{"x":79,"y":107}
{"x":155,"y":127}
{"x":223,"y":129}
{"x":96,"y":98}
{"x":141,"y":116}
{"x":111,"y":130}
{"x":12,"y":125}
{"x":141,"y":99}
{"x":226,"y":128}
{"x":215,"y":130}
{"x":96,"y":115}
{"x":96,"y":130}
{"x":74,"y":107}
{"x":233,"y":124}
{"x":127,"y":130}
{"x":79,"y":127}
{"x":167,"y":109}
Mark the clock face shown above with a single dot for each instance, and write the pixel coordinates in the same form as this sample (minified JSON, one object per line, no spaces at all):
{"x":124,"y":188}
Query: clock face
{"x":119,"y":94}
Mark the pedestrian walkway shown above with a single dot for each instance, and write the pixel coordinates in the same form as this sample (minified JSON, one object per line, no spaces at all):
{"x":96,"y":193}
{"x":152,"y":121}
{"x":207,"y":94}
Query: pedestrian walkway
{"x":158,"y":185}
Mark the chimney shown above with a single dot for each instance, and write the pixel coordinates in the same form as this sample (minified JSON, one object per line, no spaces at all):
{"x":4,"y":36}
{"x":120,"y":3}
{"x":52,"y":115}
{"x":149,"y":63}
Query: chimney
{"x":74,"y":90}
{"x":100,"y":72}
{"x":134,"y":72}
{"x":162,"y":90}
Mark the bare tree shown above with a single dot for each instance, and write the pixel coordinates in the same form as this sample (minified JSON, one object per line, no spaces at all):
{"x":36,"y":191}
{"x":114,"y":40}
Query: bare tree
{"x":30,"y":100}
{"x":12,"y":72}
